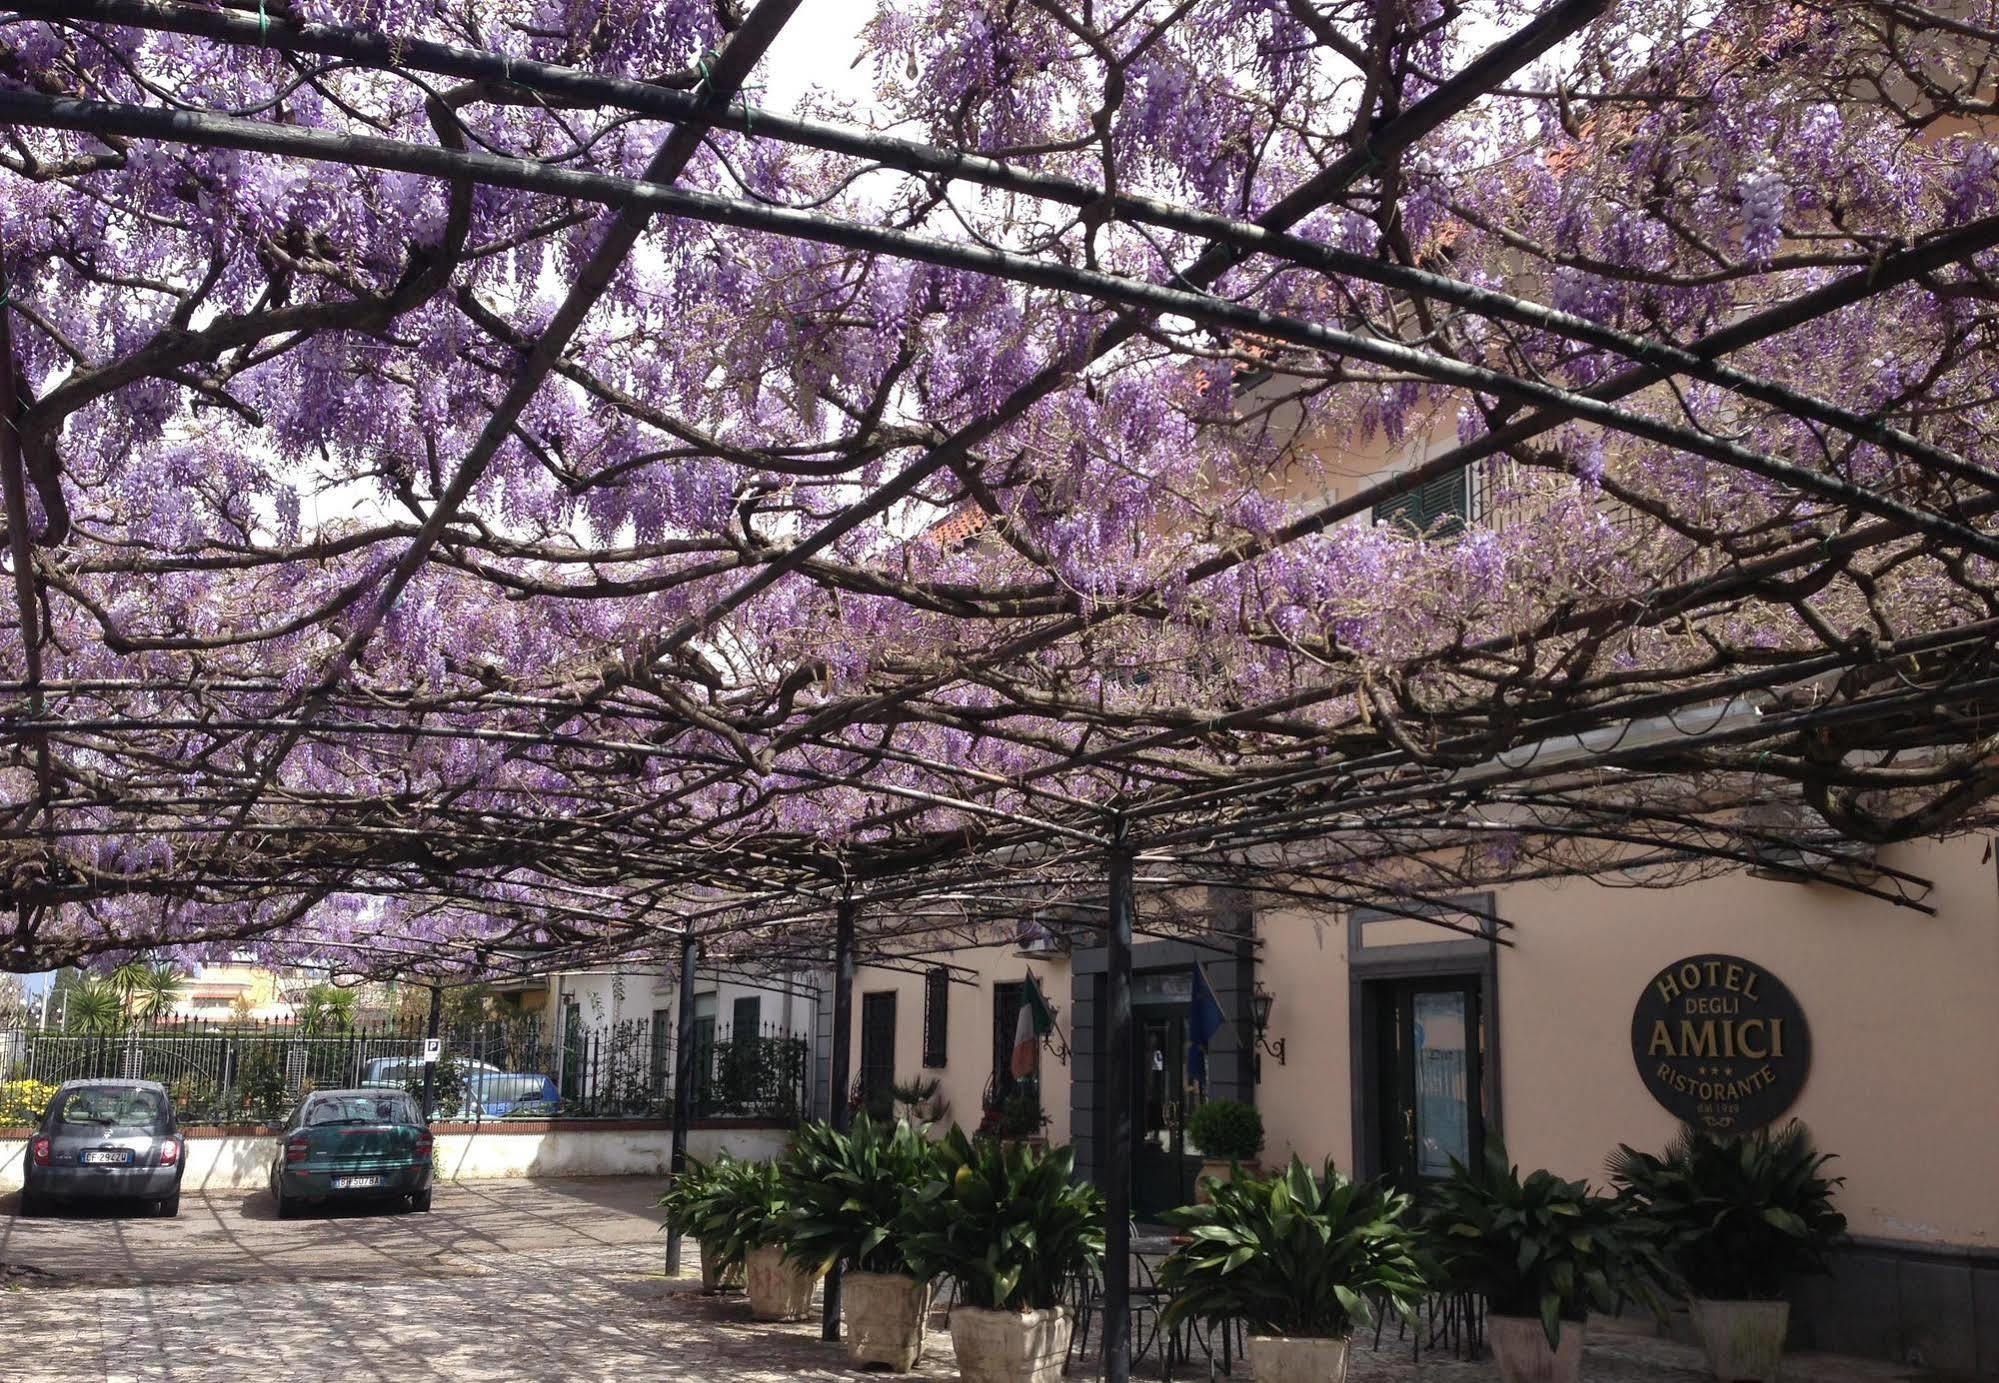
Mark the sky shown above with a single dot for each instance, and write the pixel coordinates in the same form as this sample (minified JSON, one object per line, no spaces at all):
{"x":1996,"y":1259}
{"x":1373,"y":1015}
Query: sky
{"x":817,"y":48}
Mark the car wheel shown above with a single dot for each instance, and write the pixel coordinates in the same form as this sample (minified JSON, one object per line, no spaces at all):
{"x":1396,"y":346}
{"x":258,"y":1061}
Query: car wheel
{"x":420,"y":1202}
{"x":33,"y":1206}
{"x":286,"y":1209}
{"x":168,"y":1207}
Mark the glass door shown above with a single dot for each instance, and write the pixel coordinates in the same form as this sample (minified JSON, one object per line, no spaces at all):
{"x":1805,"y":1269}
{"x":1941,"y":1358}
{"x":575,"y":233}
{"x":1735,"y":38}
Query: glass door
{"x":1429,"y":1058}
{"x":1162,"y":1172}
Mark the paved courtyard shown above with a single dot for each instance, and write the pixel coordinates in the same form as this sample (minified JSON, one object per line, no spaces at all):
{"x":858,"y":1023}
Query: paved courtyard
{"x":553,"y":1280}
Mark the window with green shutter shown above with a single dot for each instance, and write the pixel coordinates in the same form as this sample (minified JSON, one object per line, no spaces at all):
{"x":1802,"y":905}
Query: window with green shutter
{"x":1439,"y":507}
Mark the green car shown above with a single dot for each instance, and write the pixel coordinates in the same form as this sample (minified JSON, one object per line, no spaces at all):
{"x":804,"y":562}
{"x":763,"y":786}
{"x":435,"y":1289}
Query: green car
{"x":343,"y":1145}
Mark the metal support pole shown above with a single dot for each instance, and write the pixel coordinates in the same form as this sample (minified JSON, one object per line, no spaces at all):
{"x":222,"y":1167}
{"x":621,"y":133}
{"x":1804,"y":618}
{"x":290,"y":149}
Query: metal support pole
{"x":683,"y":1079}
{"x":840,"y":1073}
{"x":1115,"y":1171}
{"x":430,"y":1067}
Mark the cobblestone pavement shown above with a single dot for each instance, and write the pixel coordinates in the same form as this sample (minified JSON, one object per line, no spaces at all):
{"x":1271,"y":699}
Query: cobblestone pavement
{"x":550,"y":1280}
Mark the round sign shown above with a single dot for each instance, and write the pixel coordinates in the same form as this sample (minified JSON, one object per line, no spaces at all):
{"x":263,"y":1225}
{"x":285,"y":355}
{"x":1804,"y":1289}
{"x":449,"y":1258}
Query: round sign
{"x":1721,"y":1043}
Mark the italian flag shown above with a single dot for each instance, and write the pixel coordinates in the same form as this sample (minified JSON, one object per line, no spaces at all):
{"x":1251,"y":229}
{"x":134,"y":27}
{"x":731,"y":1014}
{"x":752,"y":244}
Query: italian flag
{"x":1035,"y":1020}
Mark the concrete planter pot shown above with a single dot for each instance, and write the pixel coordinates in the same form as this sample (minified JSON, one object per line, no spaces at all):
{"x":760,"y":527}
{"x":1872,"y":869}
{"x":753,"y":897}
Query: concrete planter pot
{"x":885,"y":1315}
{"x":1744,"y":1340}
{"x":1011,"y":1346}
{"x":1298,"y":1358}
{"x":1520,"y":1347}
{"x":777,"y":1290}
{"x":715,"y":1276}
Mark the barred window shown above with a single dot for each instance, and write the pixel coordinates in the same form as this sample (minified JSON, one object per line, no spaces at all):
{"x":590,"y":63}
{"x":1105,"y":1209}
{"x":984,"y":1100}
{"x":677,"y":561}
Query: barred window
{"x":936,"y":1016}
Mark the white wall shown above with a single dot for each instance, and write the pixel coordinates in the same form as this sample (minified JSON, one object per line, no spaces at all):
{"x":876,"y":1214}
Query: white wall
{"x":605,"y":997}
{"x":244,"y":1164}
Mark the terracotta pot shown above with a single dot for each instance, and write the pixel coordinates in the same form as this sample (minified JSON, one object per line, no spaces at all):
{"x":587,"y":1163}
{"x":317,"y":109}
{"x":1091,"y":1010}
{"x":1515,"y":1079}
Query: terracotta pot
{"x":715,"y":1276}
{"x":1744,"y":1340}
{"x":1298,"y":1358}
{"x":885,"y":1314}
{"x":1010,"y":1346}
{"x":777,"y":1290}
{"x":1520,"y":1347}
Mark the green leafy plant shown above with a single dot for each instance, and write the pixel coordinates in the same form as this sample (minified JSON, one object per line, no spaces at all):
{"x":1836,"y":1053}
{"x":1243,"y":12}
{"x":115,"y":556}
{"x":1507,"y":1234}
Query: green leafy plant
{"x":846,"y":1192}
{"x":1543,"y":1246}
{"x":1741,"y":1214}
{"x":705,"y":1203}
{"x":1005,"y":1220}
{"x":195,"y":1097}
{"x":449,"y":1092}
{"x":1020,"y":1116}
{"x":741,"y":1206}
{"x":262,"y":1085}
{"x":1227,"y":1129}
{"x":1294,"y":1254}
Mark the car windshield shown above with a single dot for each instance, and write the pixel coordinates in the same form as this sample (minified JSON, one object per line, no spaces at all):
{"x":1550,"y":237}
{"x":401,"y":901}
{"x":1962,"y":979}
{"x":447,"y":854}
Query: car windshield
{"x":112,"y":1106}
{"x":361,"y":1109}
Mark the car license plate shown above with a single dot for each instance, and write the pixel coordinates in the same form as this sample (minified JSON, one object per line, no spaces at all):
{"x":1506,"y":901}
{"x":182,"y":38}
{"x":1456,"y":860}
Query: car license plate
{"x":355,"y":1183}
{"x":116,"y":1157}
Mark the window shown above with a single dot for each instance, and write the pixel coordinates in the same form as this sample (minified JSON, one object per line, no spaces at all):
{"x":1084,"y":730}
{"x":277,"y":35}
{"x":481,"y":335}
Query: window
{"x":936,"y":1016}
{"x":877,"y":1050}
{"x":360,"y":1109}
{"x":1439,"y":507}
{"x":1007,"y":999}
{"x":745,"y":1017}
{"x":704,"y":1044}
{"x":112,"y":1107}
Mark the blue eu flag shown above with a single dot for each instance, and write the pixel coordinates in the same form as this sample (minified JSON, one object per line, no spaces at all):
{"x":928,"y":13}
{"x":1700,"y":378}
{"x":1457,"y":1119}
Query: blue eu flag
{"x":1204,"y":1020}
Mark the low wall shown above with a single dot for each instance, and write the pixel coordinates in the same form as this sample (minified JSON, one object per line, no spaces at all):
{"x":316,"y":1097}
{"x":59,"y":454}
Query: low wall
{"x":239,"y":1159}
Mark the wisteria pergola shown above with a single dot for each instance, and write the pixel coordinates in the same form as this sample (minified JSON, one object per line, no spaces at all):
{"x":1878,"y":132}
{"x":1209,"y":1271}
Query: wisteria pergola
{"x":483,"y":491}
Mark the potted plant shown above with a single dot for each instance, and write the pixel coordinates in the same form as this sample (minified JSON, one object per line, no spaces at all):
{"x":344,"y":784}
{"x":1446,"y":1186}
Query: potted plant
{"x":1301,"y":1260}
{"x":698,"y":1208}
{"x":1229,"y":1135}
{"x":1011,"y":1226}
{"x":1020,"y":1117}
{"x":1541,"y":1252}
{"x":1741,"y":1215}
{"x":846,"y":1192}
{"x":751,"y":1211}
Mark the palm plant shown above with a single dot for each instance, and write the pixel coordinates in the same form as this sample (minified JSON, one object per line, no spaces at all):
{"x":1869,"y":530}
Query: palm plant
{"x":1542,"y":1247}
{"x":1741,"y":1215}
{"x":94,"y":1007}
{"x":1296,"y":1254}
{"x":326,"y":1008}
{"x":1005,"y":1220}
{"x":158,"y":992}
{"x":129,"y":978}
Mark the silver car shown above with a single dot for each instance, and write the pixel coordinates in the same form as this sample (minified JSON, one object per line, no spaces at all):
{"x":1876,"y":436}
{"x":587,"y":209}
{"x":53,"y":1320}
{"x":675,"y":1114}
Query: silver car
{"x":106,"y":1140}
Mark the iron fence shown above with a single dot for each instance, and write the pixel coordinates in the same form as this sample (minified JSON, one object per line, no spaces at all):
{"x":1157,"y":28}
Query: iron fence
{"x":254,"y":1072}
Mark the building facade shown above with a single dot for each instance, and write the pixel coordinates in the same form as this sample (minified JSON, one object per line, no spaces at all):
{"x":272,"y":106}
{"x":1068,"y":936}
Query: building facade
{"x":1394,"y":1044}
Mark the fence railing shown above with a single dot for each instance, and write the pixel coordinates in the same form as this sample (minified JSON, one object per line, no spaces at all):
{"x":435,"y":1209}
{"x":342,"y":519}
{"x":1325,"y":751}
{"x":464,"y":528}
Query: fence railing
{"x":503,"y":1069}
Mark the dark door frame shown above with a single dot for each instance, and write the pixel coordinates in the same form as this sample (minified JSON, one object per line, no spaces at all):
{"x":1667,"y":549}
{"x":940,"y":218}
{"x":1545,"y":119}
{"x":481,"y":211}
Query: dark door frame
{"x":1472,"y":960}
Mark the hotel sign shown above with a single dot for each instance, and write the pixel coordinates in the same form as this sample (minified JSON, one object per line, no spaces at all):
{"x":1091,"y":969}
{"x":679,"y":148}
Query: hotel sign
{"x":1721,"y":1043}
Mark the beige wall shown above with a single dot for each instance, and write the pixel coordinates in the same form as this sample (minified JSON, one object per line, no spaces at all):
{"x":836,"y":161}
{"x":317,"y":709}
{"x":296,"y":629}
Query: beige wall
{"x":968,"y":1037}
{"x":1904,"y":1083}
